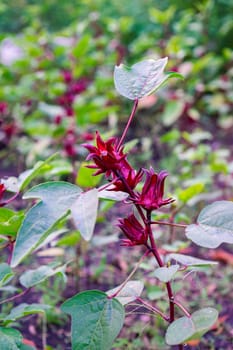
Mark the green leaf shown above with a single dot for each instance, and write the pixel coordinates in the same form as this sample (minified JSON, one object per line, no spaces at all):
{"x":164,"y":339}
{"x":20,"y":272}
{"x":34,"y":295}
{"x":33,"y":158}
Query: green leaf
{"x":84,"y":213}
{"x":188,"y":260}
{"x":6,"y":274}
{"x":172,"y":112}
{"x":85,"y":176}
{"x":26,"y":177}
{"x":113,"y":195}
{"x":140,"y":80}
{"x":32,"y":277}
{"x":96,"y":320}
{"x":214,"y":225}
{"x":56,"y":199}
{"x":10,"y":339}
{"x":10,"y":221}
{"x":165,"y":274}
{"x":190,"y":192}
{"x":186,"y":328}
{"x":23,"y":310}
{"x":128,"y":293}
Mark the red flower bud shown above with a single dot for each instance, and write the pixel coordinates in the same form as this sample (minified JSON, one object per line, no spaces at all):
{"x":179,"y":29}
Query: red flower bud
{"x":152,"y":193}
{"x":133,"y":230}
{"x":106,"y":156}
{"x":2,"y":190}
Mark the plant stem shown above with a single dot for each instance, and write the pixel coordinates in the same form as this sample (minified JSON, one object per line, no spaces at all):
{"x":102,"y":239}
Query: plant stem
{"x":154,"y":309}
{"x":169,"y":224}
{"x":131,"y":274}
{"x":128,"y":124}
{"x":185,"y":311}
{"x":160,"y":263}
{"x":25,"y":291}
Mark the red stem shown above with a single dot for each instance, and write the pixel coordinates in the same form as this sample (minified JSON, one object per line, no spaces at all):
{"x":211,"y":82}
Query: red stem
{"x":25,"y":291}
{"x":128,"y":124}
{"x":155,"y":252}
{"x":169,"y":224}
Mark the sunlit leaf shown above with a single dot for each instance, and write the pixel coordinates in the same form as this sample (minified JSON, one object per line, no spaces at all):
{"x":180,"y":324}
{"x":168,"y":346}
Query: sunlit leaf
{"x":214,"y":225}
{"x":84,"y":213}
{"x":128,"y":293}
{"x":117,"y":196}
{"x":142,"y":79}
{"x":96,"y":320}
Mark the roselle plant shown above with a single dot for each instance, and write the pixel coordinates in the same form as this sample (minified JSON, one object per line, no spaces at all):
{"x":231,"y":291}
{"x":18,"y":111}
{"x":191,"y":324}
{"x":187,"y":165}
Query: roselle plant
{"x":98,"y":316}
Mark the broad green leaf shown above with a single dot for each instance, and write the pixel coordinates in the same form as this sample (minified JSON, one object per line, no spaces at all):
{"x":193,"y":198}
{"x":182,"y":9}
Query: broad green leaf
{"x":10,"y":339}
{"x":128,"y":293}
{"x":84,"y":213}
{"x":10,"y":221}
{"x":6,"y":274}
{"x":186,"y":328}
{"x":96,"y":320}
{"x":214,"y":225}
{"x":140,"y":80}
{"x":32,"y":277}
{"x":180,"y":331}
{"x":23,"y":310}
{"x":173,"y":110}
{"x":56,"y":199}
{"x":188,"y":260}
{"x":165,"y":274}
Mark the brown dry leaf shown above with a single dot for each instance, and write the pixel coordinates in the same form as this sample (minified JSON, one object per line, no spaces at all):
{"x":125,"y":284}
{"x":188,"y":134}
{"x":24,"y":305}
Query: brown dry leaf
{"x":222,"y":255}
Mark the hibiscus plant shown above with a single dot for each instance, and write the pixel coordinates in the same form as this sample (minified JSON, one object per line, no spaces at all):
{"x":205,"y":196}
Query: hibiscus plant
{"x":98,"y":316}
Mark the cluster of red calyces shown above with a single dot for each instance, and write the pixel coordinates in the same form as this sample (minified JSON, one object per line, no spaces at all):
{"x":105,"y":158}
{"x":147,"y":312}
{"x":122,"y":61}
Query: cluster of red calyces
{"x":74,"y":87}
{"x":109,"y":159}
{"x":2,"y":190}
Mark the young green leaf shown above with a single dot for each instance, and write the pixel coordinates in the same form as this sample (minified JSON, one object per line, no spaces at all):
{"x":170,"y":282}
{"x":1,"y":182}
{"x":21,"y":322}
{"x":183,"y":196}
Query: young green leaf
{"x":10,"y":339}
{"x":84,"y":213}
{"x":6,"y":274}
{"x":23,"y":310}
{"x":214,"y":225}
{"x":186,"y":328}
{"x":188,"y":260}
{"x":142,"y":79}
{"x":96,"y":320}
{"x":32,"y":277}
{"x":27,"y":176}
{"x":10,"y":221}
{"x":128,"y":293}
{"x":165,"y":274}
{"x":56,"y":200}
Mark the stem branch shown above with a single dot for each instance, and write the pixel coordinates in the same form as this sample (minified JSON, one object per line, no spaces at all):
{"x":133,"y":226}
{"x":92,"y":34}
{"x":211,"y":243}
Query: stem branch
{"x":128,"y":124}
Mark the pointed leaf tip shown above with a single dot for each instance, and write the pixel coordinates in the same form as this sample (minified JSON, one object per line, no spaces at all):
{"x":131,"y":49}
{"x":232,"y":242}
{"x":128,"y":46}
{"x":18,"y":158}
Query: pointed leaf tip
{"x":142,"y":79}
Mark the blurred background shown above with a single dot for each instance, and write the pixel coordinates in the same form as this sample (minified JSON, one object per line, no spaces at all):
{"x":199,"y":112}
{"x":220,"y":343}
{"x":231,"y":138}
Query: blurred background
{"x":56,"y":89}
